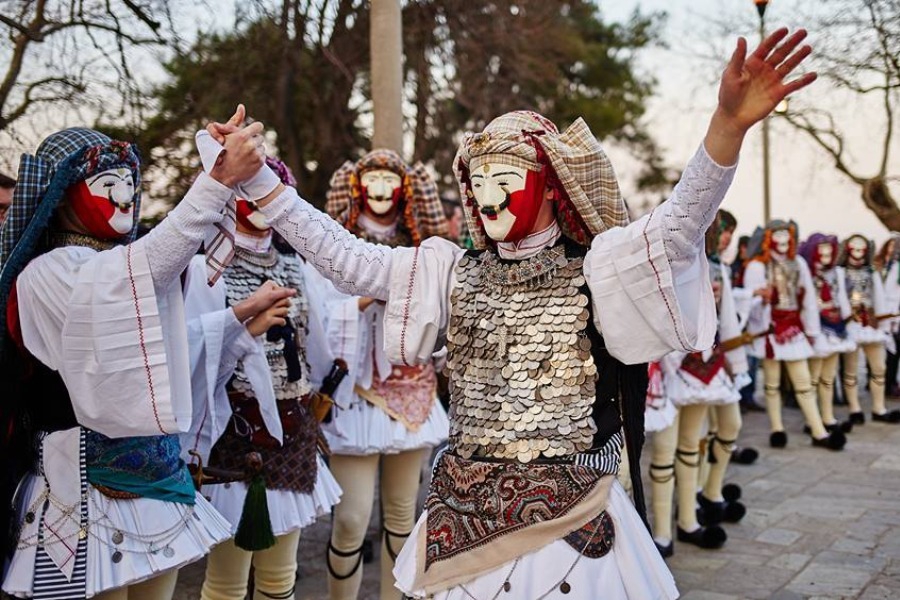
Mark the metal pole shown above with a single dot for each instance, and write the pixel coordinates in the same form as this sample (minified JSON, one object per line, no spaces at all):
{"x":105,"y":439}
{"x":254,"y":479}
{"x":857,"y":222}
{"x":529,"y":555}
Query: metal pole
{"x":767,"y":197}
{"x":386,"y":48}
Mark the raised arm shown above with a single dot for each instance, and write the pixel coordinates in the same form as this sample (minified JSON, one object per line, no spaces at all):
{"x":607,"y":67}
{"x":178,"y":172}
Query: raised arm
{"x":353,"y":265}
{"x":172,"y":243}
{"x":751,"y":87}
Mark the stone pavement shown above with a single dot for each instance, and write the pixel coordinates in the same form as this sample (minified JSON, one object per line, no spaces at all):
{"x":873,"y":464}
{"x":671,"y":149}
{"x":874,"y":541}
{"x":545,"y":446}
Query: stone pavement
{"x":820,"y":524}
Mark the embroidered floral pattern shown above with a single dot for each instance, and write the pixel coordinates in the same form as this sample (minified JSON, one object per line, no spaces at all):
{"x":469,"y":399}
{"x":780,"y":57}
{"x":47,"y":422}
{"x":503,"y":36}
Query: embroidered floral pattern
{"x":472,"y":503}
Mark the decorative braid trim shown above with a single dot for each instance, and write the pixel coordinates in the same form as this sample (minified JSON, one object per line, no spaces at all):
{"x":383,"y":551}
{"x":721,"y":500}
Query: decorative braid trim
{"x":406,"y":307}
{"x":681,"y":341}
{"x":140,"y":324}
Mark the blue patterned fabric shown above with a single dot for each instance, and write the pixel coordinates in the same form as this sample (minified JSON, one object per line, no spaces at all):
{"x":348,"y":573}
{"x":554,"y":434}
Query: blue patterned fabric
{"x":150,"y":467}
{"x":64,"y":158}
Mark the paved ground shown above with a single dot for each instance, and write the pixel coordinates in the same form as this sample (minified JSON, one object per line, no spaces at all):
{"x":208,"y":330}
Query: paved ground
{"x":820,"y":525}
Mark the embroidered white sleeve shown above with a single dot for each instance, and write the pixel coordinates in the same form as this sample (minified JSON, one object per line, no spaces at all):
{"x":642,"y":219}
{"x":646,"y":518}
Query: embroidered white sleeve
{"x":171,"y":244}
{"x":691,"y":208}
{"x":353,"y":265}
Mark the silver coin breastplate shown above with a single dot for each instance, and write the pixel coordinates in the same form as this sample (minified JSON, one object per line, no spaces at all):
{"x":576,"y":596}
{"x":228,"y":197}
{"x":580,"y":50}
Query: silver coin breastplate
{"x":785,"y":276}
{"x":247,"y":272}
{"x":859,"y":288}
{"x":522,"y":377}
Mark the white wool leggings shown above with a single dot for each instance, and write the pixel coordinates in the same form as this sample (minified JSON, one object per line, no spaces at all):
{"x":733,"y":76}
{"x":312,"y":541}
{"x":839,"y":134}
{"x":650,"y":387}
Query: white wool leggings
{"x":798,"y":371}
{"x":400,"y":479}
{"x":161,"y":587}
{"x":274,"y":570}
{"x":662,"y":479}
{"x":877,"y":358}
{"x":823,"y":371}
{"x":723,"y":436}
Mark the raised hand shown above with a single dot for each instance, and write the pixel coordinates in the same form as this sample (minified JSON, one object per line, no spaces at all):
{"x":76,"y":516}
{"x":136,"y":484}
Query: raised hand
{"x":752,"y":86}
{"x":243,"y":156}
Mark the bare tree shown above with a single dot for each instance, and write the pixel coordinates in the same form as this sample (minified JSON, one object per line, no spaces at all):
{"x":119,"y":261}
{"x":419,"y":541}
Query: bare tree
{"x":59,"y":50}
{"x":858,"y":51}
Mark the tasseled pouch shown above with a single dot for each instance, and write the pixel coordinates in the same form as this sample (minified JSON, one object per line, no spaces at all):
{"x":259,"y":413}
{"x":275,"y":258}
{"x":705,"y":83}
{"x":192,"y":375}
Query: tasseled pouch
{"x":254,"y":531}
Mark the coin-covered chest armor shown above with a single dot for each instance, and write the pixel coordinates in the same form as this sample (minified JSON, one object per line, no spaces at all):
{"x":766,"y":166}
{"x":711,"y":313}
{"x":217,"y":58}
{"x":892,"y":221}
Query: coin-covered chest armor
{"x":248,"y":271}
{"x":785,"y":276}
{"x":860,"y":288}
{"x":522,"y":377}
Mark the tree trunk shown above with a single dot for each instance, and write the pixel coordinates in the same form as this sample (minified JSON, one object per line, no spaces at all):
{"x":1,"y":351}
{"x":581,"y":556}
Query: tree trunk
{"x":878,"y":198}
{"x":386,"y":48}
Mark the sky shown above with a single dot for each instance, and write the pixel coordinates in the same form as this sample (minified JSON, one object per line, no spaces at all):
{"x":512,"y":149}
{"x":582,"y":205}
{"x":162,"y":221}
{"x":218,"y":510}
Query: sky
{"x":805,"y":186}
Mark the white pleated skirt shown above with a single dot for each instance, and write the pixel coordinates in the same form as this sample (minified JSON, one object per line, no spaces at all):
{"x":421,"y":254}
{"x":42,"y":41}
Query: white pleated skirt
{"x":632,"y":569}
{"x":684,"y":389}
{"x":657,"y":418}
{"x":196,"y":529}
{"x":288,"y":510}
{"x":827,"y":343}
{"x":366,"y":429}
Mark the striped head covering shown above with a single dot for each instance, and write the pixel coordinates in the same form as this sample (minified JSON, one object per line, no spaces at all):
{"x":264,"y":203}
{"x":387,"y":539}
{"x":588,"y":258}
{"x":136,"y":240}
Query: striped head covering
{"x":589,"y":202}
{"x":421,"y":212}
{"x":63,"y":159}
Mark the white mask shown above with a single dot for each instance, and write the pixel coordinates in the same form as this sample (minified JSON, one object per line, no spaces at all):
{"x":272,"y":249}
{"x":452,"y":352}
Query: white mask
{"x":826,"y":256}
{"x":781,"y":240}
{"x":493,"y":184}
{"x":106,"y":208}
{"x":857,"y":248}
{"x":382,"y":190}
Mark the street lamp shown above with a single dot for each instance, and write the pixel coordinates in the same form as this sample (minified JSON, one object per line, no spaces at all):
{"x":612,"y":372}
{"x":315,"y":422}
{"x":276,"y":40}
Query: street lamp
{"x":767,"y":198}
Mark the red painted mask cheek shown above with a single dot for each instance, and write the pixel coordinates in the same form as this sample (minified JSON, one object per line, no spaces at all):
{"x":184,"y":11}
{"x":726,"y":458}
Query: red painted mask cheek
{"x":525,"y":205}
{"x":94,"y":212}
{"x":244,"y":210}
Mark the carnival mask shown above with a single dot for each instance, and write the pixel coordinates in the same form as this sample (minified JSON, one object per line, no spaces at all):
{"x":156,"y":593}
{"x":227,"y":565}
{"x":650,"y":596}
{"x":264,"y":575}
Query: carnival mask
{"x":781,"y":241}
{"x":381,"y":189}
{"x":104,"y":203}
{"x":857,"y":248}
{"x":825,"y":255}
{"x":249,"y":216}
{"x":509,"y":199}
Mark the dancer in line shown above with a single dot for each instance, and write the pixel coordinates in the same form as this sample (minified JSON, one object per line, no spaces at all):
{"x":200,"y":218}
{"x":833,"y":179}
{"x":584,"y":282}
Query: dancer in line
{"x":547,"y":326}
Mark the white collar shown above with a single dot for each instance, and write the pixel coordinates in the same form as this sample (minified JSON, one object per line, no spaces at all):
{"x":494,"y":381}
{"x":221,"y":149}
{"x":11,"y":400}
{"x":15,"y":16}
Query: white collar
{"x":253,"y":243}
{"x":375,"y":228}
{"x":531,"y":244}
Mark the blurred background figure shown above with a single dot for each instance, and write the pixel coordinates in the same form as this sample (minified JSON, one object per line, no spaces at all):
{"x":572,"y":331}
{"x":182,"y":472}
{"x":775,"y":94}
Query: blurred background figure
{"x":7,"y":185}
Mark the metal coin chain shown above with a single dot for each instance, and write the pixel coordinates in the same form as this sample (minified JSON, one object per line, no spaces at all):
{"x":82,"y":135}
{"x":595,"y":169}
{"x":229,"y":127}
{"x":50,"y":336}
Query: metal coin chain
{"x":562,"y":584}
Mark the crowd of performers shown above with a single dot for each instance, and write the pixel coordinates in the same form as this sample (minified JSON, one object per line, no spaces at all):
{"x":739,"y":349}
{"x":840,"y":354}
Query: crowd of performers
{"x":161,"y":405}
{"x":791,"y":308}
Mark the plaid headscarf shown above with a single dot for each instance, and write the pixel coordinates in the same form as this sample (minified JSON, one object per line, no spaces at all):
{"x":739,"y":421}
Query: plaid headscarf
{"x":421,"y":212}
{"x":590,"y":201}
{"x":63,"y":159}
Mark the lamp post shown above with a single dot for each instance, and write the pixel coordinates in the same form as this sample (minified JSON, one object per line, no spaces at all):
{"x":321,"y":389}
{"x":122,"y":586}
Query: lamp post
{"x":386,"y":48}
{"x":767,"y":194}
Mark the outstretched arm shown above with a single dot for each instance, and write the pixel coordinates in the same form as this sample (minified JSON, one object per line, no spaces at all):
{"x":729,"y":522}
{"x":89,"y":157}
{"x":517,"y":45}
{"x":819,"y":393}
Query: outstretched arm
{"x":354,"y":266}
{"x":751,"y":87}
